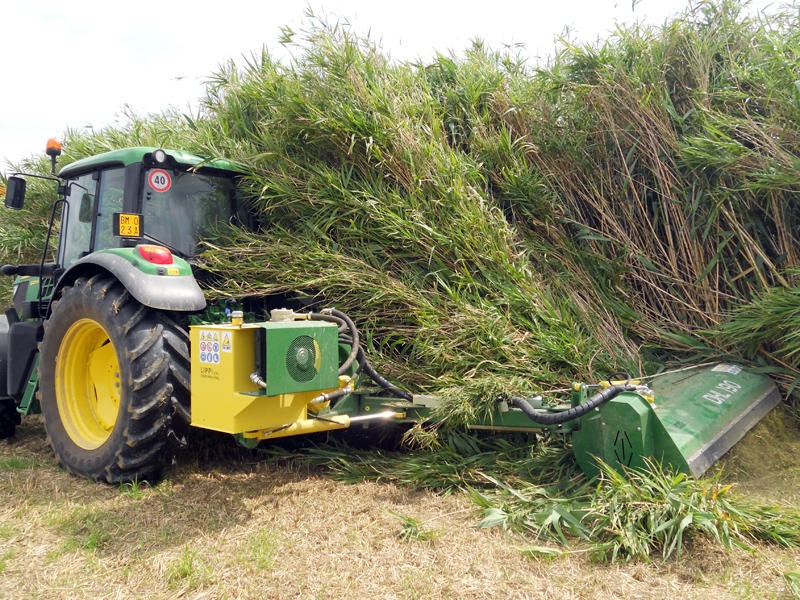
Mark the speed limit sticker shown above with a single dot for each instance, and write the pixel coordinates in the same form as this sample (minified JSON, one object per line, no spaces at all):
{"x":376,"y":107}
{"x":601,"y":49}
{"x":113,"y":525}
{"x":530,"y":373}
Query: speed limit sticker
{"x":159,"y":180}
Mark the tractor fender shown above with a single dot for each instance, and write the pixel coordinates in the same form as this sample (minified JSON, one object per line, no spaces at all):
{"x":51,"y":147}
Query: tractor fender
{"x":160,"y":292}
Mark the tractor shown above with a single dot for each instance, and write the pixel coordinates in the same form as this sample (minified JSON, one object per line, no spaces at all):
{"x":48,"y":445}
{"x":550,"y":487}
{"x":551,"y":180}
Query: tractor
{"x":115,"y":343}
{"x":107,"y":340}
{"x":96,"y":340}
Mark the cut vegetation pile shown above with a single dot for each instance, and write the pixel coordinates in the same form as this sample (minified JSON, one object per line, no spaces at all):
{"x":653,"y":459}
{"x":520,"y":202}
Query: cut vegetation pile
{"x":495,"y":227}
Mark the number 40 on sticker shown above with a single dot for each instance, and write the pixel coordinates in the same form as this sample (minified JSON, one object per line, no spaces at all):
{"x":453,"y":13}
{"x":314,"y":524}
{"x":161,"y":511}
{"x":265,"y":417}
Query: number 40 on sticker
{"x":159,"y":180}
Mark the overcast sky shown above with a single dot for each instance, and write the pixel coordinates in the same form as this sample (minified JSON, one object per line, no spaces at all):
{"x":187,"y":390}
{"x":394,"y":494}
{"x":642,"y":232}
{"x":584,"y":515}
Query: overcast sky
{"x":77,"y":63}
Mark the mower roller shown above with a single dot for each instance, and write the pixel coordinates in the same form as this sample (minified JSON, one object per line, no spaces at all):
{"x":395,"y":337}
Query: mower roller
{"x":115,"y":343}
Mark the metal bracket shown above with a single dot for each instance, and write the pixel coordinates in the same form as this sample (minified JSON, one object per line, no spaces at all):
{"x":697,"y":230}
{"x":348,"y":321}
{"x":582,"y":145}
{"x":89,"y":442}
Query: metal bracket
{"x":29,"y":404}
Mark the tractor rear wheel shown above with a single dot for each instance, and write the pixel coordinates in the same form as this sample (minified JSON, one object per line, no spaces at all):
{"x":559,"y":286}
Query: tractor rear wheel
{"x":106,"y":384}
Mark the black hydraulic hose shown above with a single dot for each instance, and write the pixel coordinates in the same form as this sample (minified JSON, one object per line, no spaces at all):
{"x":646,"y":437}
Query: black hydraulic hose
{"x":331,"y":397}
{"x":345,"y":323}
{"x":556,"y":418}
{"x":387,"y":385}
{"x":355,"y":341}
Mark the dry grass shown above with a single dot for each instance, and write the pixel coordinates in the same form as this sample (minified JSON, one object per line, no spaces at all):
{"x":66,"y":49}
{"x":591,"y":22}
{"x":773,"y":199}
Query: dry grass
{"x":251,"y":528}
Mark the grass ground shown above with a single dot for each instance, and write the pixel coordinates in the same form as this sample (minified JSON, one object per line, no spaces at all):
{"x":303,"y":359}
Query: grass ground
{"x":248,"y":527}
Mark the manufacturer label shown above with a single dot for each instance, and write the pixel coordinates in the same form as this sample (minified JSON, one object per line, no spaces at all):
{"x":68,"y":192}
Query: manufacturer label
{"x":209,"y":373}
{"x":724,"y":368}
{"x":722,"y":392}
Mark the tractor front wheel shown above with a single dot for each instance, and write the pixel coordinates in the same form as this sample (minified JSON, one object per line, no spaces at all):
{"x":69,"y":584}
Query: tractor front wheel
{"x":105,"y":383}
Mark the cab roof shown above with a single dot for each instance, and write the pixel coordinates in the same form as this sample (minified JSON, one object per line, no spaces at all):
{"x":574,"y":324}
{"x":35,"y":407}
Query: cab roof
{"x":127,"y":156}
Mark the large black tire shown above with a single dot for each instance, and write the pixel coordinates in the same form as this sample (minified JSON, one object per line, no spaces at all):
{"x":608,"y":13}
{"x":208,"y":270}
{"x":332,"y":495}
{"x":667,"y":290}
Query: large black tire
{"x":111,"y":375}
{"x":175,"y":336}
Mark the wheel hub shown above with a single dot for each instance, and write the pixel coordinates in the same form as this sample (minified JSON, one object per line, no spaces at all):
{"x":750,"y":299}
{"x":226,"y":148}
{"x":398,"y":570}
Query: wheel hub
{"x":88,"y":385}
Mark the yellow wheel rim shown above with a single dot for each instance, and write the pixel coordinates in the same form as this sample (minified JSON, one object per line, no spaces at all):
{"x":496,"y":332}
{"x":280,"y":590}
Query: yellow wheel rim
{"x":87,"y":384}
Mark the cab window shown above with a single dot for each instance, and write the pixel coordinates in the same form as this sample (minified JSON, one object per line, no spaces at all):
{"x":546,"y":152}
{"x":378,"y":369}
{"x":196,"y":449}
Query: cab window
{"x":109,"y":201}
{"x":181,"y":208}
{"x":76,"y":219}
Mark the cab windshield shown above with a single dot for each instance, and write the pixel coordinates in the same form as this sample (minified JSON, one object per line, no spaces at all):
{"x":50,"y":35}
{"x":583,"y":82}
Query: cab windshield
{"x":180,"y":208}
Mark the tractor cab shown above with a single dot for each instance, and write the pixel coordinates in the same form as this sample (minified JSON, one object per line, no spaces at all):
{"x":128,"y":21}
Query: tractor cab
{"x":138,"y":195}
{"x":143,"y":195}
{"x":117,"y":207}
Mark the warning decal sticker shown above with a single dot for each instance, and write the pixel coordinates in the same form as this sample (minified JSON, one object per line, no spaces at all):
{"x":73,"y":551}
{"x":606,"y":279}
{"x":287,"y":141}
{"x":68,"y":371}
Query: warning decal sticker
{"x":227,"y":346}
{"x":209,"y":347}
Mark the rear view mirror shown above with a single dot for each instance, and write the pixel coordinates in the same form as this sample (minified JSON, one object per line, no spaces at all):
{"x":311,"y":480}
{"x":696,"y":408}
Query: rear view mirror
{"x":15,"y":192}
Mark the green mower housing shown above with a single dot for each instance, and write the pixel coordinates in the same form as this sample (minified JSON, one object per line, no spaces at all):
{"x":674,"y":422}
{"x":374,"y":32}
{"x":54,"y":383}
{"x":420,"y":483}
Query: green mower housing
{"x":693,"y":417}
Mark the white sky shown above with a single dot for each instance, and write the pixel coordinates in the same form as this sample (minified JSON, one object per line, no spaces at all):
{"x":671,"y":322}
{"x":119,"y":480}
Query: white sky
{"x":78,"y":63}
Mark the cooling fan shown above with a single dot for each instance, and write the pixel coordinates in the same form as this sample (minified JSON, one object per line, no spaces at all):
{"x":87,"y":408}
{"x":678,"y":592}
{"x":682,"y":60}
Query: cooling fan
{"x":301,"y":356}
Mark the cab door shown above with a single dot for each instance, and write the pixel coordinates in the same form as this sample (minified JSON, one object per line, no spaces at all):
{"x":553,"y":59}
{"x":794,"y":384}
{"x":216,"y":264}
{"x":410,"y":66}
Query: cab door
{"x":88,"y":216}
{"x":76,"y":219}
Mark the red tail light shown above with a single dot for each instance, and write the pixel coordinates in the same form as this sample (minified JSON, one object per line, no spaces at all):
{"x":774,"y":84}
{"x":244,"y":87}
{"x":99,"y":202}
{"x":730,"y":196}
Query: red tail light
{"x":158,"y":255}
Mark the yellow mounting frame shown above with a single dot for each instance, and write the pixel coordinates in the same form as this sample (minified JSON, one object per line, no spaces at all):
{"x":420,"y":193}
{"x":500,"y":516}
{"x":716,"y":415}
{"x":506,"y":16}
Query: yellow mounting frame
{"x":224,"y":398}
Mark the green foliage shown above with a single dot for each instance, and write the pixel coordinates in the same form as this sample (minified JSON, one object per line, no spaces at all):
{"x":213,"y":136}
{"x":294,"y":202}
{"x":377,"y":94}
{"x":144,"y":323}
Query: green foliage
{"x":492,"y":222}
{"x":412,"y":529}
{"x":767,"y":330}
{"x":638,"y":514}
{"x":187,"y":571}
{"x":89,"y":529}
{"x":792,"y":579}
{"x":373,"y":197}
{"x":133,"y":490}
{"x":504,"y":225}
{"x":654,"y":509}
{"x":538,"y":493}
{"x":23,"y":232}
{"x":5,"y":556}
{"x":13,"y":463}
{"x":262,"y":548}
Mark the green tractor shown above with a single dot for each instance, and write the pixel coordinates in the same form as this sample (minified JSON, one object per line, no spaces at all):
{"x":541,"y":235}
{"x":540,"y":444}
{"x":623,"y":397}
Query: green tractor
{"x":116,"y":345}
{"x":97,"y":340}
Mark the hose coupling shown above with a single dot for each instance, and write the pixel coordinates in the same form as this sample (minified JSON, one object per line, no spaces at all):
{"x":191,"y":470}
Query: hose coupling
{"x":323,"y":398}
{"x":258,"y":380}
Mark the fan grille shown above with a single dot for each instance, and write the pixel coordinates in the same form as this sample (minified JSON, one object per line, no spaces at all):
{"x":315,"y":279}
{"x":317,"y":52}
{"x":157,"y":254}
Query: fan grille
{"x":301,"y":359}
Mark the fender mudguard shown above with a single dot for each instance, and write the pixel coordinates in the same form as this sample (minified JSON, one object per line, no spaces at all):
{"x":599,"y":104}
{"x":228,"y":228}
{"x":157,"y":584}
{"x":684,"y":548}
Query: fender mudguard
{"x":159,"y":290}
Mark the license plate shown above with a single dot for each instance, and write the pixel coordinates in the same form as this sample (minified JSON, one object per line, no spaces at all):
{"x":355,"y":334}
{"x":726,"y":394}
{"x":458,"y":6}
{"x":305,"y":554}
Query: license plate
{"x":128,"y":224}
